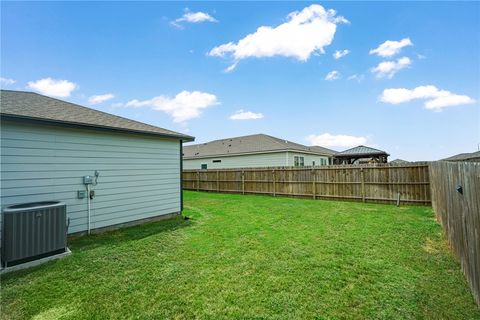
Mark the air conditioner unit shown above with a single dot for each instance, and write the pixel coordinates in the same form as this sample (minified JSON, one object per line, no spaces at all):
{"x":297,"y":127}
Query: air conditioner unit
{"x":33,"y":230}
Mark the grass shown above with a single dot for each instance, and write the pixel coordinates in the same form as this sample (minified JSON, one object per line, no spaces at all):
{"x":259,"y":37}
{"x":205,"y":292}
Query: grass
{"x":249,"y":257}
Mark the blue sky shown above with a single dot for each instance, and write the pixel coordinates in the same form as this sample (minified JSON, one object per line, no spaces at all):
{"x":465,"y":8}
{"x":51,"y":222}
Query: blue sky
{"x":409,"y":84}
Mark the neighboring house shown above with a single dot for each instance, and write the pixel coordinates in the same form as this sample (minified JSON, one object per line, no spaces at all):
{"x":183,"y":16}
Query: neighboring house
{"x":398,"y":161}
{"x":49,"y":145}
{"x":259,"y":150}
{"x":470,"y":157}
{"x":361,"y":154}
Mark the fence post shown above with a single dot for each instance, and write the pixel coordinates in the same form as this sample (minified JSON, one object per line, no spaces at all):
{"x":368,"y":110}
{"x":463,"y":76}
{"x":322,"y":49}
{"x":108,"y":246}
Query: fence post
{"x":243,"y":182}
{"x":198,"y":181}
{"x":362,"y":174}
{"x":351,"y":176}
{"x":273,"y":176}
{"x":314,"y":184}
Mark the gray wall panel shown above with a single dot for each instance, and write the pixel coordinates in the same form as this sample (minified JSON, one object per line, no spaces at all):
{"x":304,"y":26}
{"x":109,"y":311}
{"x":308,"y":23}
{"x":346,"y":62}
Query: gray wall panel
{"x":139,"y":174}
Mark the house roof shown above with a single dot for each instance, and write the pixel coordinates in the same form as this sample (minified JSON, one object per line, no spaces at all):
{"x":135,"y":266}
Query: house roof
{"x":324,"y":150}
{"x":464,"y":156}
{"x":361,"y":151}
{"x":399,"y":161}
{"x":257,"y":143}
{"x":34,"y":106}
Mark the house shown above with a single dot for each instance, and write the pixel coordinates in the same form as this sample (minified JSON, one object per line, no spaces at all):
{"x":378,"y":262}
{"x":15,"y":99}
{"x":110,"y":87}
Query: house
{"x":470,"y":157}
{"x":398,"y":161}
{"x":361,"y":154}
{"x":48,"y":146}
{"x":258,"y":150}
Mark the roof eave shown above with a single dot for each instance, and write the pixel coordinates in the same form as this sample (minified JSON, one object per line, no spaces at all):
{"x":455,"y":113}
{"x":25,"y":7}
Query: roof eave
{"x":184,"y":138}
{"x":253,"y":153}
{"x":362,"y":154}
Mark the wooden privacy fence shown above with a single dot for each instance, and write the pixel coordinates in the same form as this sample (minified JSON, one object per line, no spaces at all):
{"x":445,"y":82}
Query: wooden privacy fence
{"x":456,"y":202}
{"x":383,"y":183}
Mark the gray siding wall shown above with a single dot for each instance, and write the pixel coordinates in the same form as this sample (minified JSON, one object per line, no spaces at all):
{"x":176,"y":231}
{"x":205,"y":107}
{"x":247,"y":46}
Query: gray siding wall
{"x":308,"y":159}
{"x":139,"y":175}
{"x":277,"y":159}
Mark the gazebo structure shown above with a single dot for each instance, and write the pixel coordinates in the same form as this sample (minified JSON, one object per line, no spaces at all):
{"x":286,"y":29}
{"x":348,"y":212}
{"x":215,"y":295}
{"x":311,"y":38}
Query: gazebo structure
{"x":361,"y":154}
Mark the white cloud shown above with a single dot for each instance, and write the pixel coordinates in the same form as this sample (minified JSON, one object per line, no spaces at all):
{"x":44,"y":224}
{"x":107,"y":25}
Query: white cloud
{"x":339,"y":140}
{"x":231,"y":67}
{"x":332,"y":75}
{"x":100,"y":98}
{"x":246,"y":115}
{"x":184,"y":106}
{"x":358,"y":77}
{"x":436,"y":99}
{"x":53,"y":87}
{"x":193,"y":17}
{"x":390,"y":48}
{"x":340,"y":53}
{"x":7,"y":81}
{"x":304,"y":33}
{"x":389,"y":68}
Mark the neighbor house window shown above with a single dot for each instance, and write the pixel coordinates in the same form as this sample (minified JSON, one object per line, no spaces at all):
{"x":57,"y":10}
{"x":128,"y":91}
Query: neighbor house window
{"x":217,"y":161}
{"x":204,"y":166}
{"x":298,"y":161}
{"x":313,"y":163}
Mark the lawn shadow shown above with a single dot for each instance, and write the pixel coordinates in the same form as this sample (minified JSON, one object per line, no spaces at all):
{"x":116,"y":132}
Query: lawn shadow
{"x":133,"y":233}
{"x":108,"y":239}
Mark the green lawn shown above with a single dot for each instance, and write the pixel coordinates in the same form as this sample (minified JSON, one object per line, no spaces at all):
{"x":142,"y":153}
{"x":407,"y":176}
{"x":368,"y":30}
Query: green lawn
{"x":248,"y":257}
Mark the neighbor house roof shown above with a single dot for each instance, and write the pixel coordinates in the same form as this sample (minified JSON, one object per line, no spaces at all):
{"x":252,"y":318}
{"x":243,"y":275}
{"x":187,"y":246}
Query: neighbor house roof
{"x":257,"y":143}
{"x":360,"y":151}
{"x":34,"y":106}
{"x":464,"y":156}
{"x":324,"y":150}
{"x":399,"y":161}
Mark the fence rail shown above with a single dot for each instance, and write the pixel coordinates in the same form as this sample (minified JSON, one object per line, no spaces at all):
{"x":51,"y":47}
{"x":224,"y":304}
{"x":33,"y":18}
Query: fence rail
{"x":456,"y":202}
{"x":382,"y":183}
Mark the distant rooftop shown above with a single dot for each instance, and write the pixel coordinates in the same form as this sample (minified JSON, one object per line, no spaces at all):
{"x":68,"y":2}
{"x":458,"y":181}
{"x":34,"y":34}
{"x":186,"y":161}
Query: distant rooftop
{"x":360,"y":151}
{"x":464,"y":156}
{"x":398,"y":161}
{"x":256,"y":143}
{"x":324,"y":150}
{"x":34,"y":106}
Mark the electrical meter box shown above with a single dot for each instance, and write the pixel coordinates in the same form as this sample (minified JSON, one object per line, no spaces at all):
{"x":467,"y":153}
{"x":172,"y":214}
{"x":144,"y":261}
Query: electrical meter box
{"x":87,"y":180}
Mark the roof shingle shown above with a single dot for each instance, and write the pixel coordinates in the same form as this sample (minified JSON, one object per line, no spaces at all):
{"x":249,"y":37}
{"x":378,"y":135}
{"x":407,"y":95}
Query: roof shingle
{"x":248,"y":144}
{"x":360,"y":150}
{"x":30,"y":105}
{"x":464,"y":156}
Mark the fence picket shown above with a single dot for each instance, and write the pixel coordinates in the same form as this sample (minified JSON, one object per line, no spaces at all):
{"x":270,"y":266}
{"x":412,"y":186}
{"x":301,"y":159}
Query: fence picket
{"x":458,"y":211}
{"x":366,"y":183}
